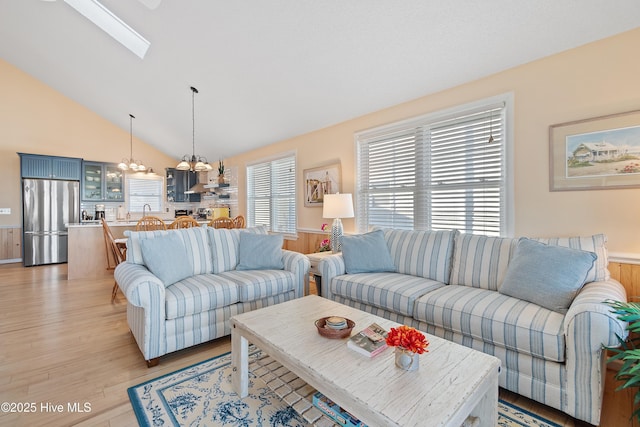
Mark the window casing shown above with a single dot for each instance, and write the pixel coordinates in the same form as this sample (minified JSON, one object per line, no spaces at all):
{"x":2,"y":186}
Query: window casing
{"x":438,"y":171}
{"x":271,"y":194}
{"x":144,"y":189}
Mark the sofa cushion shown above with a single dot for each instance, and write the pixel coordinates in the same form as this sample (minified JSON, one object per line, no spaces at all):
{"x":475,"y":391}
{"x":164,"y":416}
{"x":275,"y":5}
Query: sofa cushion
{"x":257,"y":284}
{"x":195,"y":242}
{"x":422,"y":253}
{"x":495,"y":318}
{"x":134,"y":249}
{"x":596,"y":244}
{"x":225,"y":246}
{"x":366,"y":253}
{"x":481,"y":261}
{"x":260,"y":252}
{"x":547,"y":275}
{"x":166,"y":258}
{"x":197,"y":294}
{"x":391,"y":291}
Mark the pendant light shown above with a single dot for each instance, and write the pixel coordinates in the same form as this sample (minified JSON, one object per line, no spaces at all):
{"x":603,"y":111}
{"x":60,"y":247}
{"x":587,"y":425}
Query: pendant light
{"x":194,"y":163}
{"x":130,"y":164}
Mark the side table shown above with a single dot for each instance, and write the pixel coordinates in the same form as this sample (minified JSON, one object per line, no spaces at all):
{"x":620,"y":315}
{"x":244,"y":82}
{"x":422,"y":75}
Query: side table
{"x":315,"y":259}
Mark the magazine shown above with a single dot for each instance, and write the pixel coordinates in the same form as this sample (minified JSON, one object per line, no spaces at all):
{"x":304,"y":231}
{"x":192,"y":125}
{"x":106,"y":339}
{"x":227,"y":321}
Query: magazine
{"x":370,"y":341}
{"x":335,"y":412}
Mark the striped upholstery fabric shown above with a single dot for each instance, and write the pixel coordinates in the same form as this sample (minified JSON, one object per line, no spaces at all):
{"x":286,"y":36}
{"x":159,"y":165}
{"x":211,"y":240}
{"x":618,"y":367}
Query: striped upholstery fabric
{"x":330,"y":267}
{"x":225,"y":246}
{"x":481,"y":261}
{"x":188,"y":331}
{"x":393,"y":291}
{"x":596,"y":244}
{"x":495,"y":318}
{"x":195,"y":242}
{"x":258,"y":284}
{"x":422,"y":253}
{"x":555,"y":359}
{"x":197,"y":309}
{"x":134,"y":249}
{"x":197,"y":246}
{"x":199,"y":293}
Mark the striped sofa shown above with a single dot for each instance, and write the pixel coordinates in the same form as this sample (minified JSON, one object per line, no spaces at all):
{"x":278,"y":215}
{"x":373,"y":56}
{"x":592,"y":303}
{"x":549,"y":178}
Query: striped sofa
{"x":446,"y":284}
{"x":164,"y":319}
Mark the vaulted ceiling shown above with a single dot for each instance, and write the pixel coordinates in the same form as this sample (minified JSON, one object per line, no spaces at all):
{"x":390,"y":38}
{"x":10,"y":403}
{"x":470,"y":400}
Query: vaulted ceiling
{"x":267,"y":70}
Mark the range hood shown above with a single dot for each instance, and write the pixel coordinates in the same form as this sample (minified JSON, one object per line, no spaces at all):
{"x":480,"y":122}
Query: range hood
{"x":199,"y":187}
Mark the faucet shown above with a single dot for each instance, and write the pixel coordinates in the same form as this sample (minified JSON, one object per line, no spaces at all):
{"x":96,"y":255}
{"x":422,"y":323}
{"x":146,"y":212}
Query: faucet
{"x":143,"y":209}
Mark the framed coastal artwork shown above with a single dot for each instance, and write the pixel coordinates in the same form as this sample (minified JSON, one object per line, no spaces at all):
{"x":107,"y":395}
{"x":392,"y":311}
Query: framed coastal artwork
{"x":320,"y":181}
{"x":595,"y":154}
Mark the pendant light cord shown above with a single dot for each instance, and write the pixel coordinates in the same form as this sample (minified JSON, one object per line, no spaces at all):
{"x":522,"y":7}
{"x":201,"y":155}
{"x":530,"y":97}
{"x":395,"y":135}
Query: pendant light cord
{"x":131,"y":117}
{"x":193,"y":122}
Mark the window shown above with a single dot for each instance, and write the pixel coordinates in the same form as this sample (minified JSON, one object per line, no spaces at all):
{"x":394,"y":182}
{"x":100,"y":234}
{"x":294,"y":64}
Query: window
{"x":271,"y":194}
{"x":446,"y":170}
{"x":144,"y":189}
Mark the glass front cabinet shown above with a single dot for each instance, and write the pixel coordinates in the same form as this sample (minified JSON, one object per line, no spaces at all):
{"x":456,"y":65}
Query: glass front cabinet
{"x":101,"y":182}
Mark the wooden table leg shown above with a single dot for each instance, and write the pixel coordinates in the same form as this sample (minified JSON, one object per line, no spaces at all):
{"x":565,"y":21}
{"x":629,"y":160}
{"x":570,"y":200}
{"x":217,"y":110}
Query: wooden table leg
{"x":240,"y":362}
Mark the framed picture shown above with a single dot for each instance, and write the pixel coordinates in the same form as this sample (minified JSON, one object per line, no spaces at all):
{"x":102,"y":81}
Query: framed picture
{"x":320,"y":181}
{"x":595,"y":154}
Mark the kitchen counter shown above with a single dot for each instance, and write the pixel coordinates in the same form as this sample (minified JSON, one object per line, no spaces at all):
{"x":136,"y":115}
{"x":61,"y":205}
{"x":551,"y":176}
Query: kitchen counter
{"x":87,"y":253}
{"x":122,"y":223}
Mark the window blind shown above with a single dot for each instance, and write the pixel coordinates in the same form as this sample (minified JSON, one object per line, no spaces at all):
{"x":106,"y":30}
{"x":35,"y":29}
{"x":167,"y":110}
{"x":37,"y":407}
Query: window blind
{"x":271,"y":195}
{"x":434,"y":173}
{"x":144,"y":190}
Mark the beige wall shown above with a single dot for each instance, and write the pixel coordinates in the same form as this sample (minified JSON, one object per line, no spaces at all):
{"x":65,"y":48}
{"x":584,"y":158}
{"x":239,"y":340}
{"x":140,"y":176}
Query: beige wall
{"x":34,"y":118}
{"x":594,"y":80}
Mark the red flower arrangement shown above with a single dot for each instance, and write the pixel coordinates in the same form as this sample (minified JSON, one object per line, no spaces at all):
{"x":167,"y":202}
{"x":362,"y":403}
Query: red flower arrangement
{"x":408,"y":338}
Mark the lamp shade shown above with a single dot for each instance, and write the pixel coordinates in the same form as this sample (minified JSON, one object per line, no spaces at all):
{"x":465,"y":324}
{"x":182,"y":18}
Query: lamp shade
{"x":337,"y":206}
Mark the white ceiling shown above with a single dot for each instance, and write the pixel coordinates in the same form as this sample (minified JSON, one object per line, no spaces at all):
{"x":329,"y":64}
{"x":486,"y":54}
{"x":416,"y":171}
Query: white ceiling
{"x":268,"y":70}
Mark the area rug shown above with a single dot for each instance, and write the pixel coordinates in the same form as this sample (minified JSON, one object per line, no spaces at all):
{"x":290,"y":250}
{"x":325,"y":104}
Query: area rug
{"x":202,"y":395}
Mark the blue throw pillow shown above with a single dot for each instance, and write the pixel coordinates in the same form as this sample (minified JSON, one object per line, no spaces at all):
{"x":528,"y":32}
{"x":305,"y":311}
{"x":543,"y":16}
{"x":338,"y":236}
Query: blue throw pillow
{"x":260,"y":252}
{"x":547,"y":275}
{"x":367,"y":253}
{"x":166,"y":257}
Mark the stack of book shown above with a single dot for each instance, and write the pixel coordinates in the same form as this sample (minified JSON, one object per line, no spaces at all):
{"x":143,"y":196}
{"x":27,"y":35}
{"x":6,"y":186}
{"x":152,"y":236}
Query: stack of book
{"x":335,"y":412}
{"x":370,"y":341}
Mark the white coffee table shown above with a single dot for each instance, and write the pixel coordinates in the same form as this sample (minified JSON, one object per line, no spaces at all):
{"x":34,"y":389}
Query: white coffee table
{"x":452,"y":383}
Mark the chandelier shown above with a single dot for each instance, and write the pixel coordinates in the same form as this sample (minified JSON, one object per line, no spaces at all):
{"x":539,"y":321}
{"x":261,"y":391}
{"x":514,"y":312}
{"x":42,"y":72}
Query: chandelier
{"x":194,"y":163}
{"x":130,"y":164}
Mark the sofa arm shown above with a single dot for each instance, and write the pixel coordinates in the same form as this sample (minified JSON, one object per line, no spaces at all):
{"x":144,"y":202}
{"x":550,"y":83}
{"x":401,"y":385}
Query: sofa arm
{"x":330,"y":267}
{"x":589,"y":310}
{"x":145,"y":307}
{"x":299,"y":265}
{"x":589,"y":325}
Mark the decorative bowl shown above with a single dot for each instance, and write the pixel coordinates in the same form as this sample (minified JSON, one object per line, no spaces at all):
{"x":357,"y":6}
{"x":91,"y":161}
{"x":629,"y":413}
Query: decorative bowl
{"x":334,"y":333}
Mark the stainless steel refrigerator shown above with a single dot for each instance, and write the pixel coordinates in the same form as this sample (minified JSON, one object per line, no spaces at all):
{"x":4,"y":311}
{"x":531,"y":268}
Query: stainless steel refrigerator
{"x":48,"y":205}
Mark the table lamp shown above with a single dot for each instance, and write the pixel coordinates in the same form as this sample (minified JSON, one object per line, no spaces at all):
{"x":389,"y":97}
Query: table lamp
{"x":337,"y":206}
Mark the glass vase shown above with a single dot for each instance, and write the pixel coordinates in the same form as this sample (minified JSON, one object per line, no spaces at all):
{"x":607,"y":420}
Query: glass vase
{"x":407,"y":360}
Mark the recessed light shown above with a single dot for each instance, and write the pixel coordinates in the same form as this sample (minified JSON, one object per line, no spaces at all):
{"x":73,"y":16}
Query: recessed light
{"x":112,"y":25}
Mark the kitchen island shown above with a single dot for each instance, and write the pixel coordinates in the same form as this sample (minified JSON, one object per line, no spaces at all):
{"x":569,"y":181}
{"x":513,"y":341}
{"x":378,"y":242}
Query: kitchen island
{"x":87,"y":253}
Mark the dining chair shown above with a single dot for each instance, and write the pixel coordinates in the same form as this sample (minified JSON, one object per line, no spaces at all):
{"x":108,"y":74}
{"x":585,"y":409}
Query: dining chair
{"x":238,"y":222}
{"x":183,"y":222}
{"x":118,"y":250}
{"x":221,"y":222}
{"x":150,"y":223}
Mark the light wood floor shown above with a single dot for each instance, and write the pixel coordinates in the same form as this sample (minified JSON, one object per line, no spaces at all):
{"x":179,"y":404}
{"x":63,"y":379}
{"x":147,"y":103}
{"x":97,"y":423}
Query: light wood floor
{"x":62,"y":342}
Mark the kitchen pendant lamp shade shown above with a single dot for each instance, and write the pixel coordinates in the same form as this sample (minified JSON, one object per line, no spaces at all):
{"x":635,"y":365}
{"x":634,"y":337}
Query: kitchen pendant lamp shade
{"x":130,"y":164}
{"x":193,"y":162}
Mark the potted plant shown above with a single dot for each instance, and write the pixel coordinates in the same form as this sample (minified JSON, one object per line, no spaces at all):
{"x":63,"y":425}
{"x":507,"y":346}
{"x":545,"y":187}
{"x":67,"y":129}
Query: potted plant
{"x":220,"y":172}
{"x":628,"y":352}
